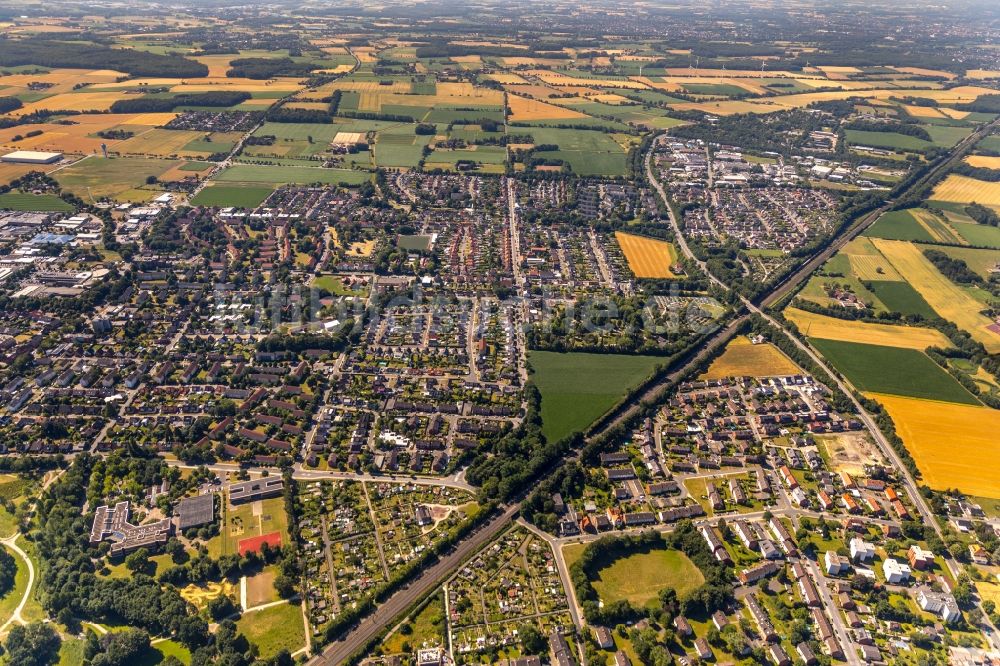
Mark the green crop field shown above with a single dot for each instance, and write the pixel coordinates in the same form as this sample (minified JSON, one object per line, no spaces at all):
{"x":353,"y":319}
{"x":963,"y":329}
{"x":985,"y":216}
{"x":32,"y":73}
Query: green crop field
{"x":892,"y":140}
{"x":282,"y":175}
{"x":903,"y":298}
{"x":899,"y":225}
{"x":893,"y":370}
{"x":589,"y":153}
{"x":946,"y":135}
{"x":638,"y":577}
{"x":578,"y":388}
{"x":716,"y":89}
{"x":991,"y":143}
{"x":34,"y":202}
{"x":240,"y":196}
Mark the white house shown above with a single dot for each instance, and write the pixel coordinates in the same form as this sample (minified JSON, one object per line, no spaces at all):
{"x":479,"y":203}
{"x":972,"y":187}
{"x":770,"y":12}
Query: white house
{"x":895,"y":571}
{"x":861,"y":550}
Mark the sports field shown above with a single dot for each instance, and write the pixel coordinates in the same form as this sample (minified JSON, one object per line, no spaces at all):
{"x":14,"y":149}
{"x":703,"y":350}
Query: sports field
{"x":949,"y":300}
{"x":894,"y":370}
{"x":578,"y":388}
{"x":252,"y":519}
{"x":954,"y":446}
{"x":647,"y":257}
{"x":830,"y":328}
{"x":639,"y":577}
{"x":745,"y":359}
{"x":962,"y":189}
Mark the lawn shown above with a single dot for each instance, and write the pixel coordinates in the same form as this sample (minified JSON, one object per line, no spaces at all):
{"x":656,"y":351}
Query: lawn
{"x":578,"y":388}
{"x":638,"y":577}
{"x":239,"y":196}
{"x":893,"y":370}
{"x":283,"y":175}
{"x":274,"y":628}
{"x":34,"y":202}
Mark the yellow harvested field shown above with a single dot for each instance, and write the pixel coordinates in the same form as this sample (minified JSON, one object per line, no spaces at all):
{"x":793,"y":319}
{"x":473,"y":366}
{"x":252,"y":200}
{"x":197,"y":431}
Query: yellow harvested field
{"x":402,"y":87}
{"x":506,"y":79}
{"x":339,"y":69}
{"x":523,"y":108}
{"x":542,"y":91}
{"x":9,"y":172}
{"x":647,"y":257}
{"x":830,"y":328}
{"x":944,"y":296}
{"x":983,"y":74}
{"x":557,"y":79}
{"x":246,"y":85}
{"x":217,"y":65}
{"x":82,"y":101}
{"x":954,"y":446}
{"x":923,"y":111}
{"x":742,"y":358}
{"x":81,"y":136}
{"x":873,"y":267}
{"x":161,"y":143}
{"x":801,"y":100}
{"x":953,"y":113}
{"x":983,"y":161}
{"x":920,"y":71}
{"x":448,"y":91}
{"x":151,"y":119}
{"x":962,"y":189}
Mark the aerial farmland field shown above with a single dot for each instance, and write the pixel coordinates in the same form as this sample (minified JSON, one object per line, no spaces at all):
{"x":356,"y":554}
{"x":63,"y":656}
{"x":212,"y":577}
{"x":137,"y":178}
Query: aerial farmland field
{"x":893,"y":370}
{"x":954,"y":445}
{"x":578,"y":388}
{"x":815,"y":325}
{"x":745,"y":359}
{"x":962,"y":189}
{"x":647,"y":257}
{"x":946,"y":298}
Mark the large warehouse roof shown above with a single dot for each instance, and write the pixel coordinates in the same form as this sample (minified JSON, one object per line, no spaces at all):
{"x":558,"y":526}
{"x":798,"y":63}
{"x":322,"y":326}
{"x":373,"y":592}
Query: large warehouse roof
{"x":31,"y":157}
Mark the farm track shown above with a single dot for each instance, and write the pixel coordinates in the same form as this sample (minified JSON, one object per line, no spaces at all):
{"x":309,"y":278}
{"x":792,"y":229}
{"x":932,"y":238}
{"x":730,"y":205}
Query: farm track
{"x":368,"y":629}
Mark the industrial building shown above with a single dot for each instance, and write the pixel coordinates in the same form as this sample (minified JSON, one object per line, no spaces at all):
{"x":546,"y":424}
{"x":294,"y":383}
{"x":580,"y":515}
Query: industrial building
{"x":31,"y":157}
